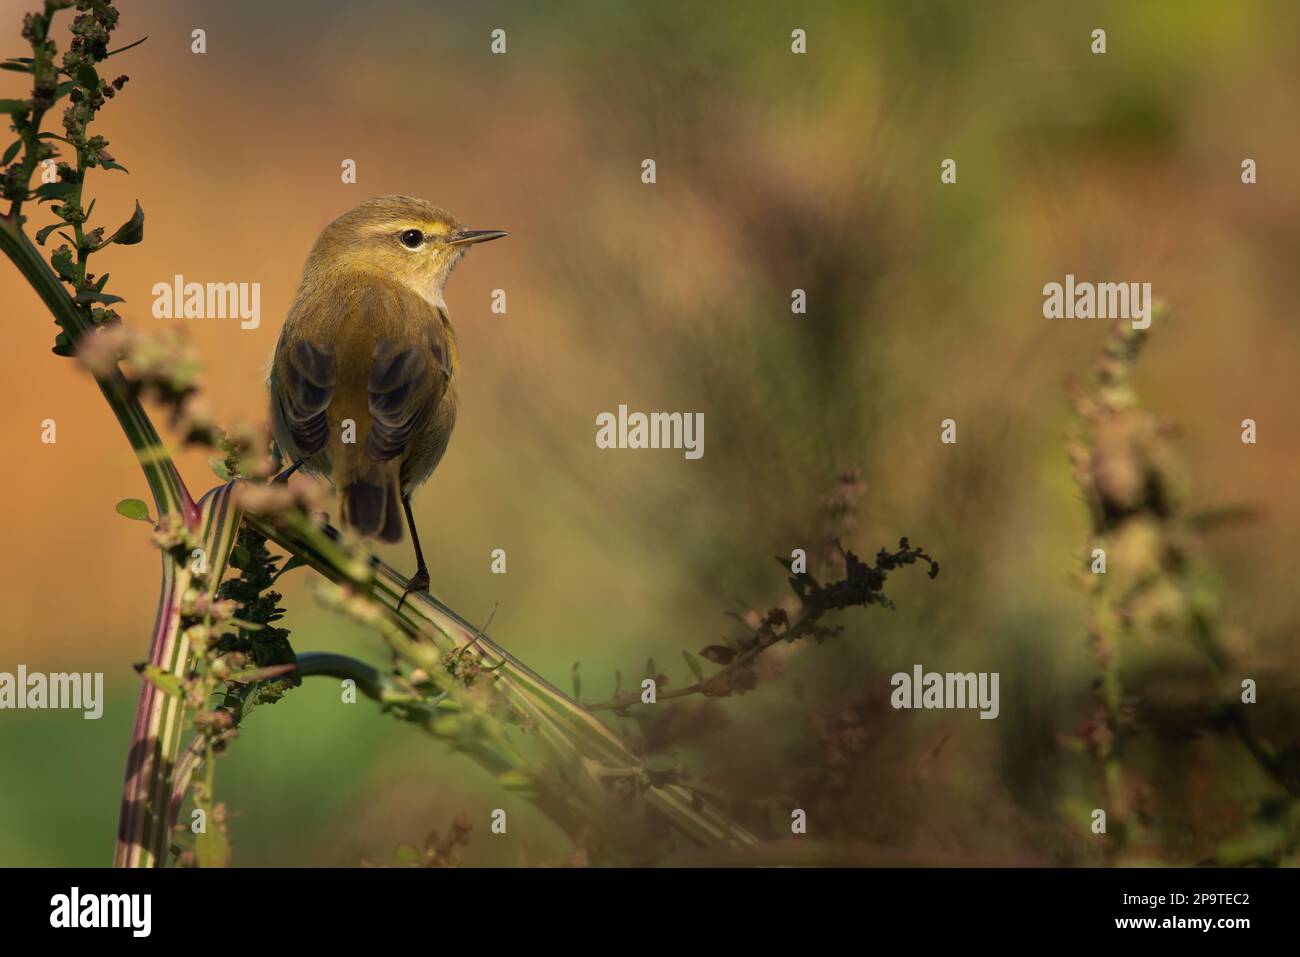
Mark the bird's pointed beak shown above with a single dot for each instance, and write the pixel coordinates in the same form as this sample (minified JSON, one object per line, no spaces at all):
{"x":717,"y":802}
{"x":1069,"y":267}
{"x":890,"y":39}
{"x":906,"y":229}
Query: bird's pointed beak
{"x":464,"y":237}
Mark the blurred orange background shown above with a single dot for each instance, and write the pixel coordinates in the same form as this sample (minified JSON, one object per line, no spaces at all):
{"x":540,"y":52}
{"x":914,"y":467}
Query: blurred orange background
{"x":775,"y":172}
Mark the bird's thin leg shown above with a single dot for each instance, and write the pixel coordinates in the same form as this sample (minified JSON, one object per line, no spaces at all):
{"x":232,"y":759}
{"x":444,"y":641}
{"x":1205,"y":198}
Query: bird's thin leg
{"x":284,"y":476}
{"x":420,"y":580}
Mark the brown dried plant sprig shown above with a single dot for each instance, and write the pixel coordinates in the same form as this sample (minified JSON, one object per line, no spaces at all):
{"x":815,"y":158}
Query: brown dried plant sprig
{"x":1166,"y":675}
{"x":438,"y":850}
{"x":862,"y":585}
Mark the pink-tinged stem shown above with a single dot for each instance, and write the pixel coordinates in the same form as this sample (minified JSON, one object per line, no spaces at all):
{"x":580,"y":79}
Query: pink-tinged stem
{"x":144,"y":822}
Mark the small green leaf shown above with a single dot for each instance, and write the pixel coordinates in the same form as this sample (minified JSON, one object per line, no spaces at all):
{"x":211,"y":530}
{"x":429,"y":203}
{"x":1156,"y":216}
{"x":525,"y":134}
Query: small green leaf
{"x":54,"y":191}
{"x":408,"y":856}
{"x":695,"y":667}
{"x":446,"y":727}
{"x":131,"y":231}
{"x":164,"y":681}
{"x":17,"y":66}
{"x":514,"y":781}
{"x":297,"y":561}
{"x":125,"y":48}
{"x":102,"y":297}
{"x":15,"y":107}
{"x":218,"y":465}
{"x":252,"y":625}
{"x":61,"y":260}
{"x":87,"y":77}
{"x":211,"y":848}
{"x":258,"y":674}
{"x":44,"y":232}
{"x":63,"y":346}
{"x":134,"y":509}
{"x":11,"y":152}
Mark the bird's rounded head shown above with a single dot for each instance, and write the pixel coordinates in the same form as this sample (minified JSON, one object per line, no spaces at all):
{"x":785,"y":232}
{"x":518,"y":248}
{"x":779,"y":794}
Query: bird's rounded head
{"x":400,"y":237}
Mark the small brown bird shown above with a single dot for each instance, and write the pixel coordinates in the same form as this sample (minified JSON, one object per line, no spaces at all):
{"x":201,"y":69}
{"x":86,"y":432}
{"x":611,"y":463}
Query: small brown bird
{"x":363,"y":382}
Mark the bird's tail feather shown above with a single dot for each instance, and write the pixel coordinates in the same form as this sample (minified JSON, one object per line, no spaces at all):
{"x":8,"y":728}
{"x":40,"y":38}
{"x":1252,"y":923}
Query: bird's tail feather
{"x":372,"y":507}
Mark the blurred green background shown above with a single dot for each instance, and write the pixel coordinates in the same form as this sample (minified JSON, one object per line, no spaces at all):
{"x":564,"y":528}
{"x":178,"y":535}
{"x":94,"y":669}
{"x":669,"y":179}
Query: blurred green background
{"x":775,"y":171}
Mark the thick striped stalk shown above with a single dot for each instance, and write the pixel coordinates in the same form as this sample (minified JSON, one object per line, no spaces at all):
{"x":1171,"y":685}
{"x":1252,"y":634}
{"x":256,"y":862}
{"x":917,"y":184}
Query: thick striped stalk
{"x":144,"y":822}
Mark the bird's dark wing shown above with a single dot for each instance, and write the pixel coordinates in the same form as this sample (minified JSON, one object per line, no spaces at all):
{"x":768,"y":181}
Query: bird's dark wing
{"x":407,"y":378}
{"x":395,"y":400}
{"x":310,"y":374}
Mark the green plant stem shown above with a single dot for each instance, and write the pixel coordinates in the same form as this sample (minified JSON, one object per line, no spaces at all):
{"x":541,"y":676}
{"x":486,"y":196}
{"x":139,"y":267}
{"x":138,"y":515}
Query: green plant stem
{"x":145,"y":820}
{"x":568,"y":729}
{"x":322,"y":664}
{"x":40,"y":59}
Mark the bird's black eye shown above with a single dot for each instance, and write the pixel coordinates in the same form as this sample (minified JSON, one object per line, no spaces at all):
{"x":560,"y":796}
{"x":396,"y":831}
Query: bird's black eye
{"x":412,"y":238}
